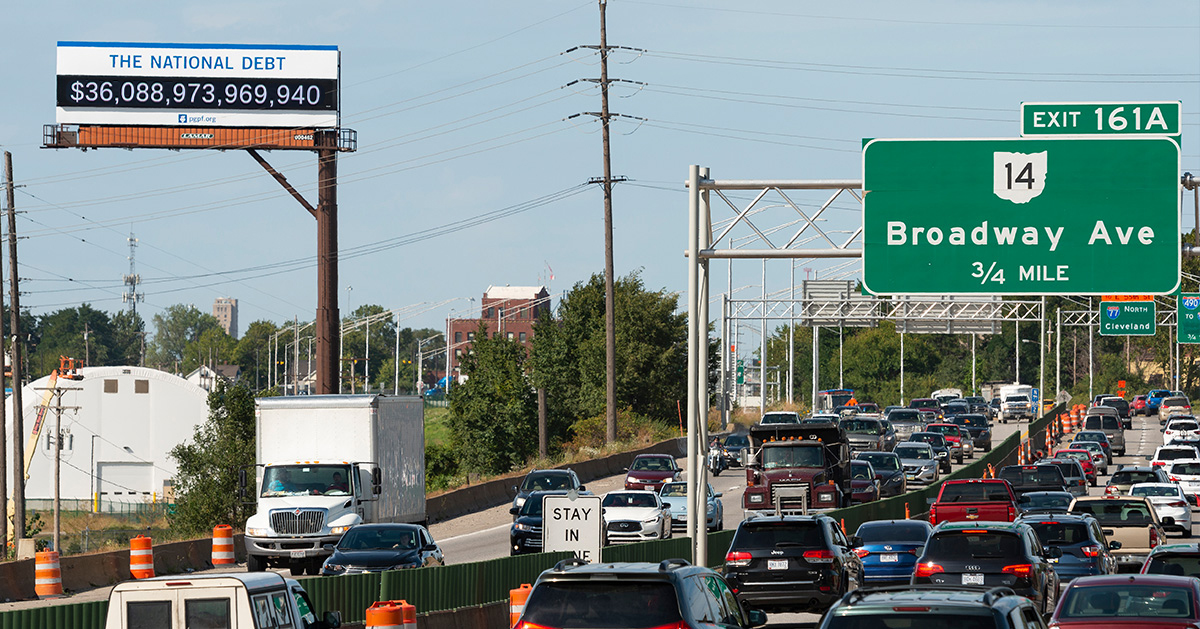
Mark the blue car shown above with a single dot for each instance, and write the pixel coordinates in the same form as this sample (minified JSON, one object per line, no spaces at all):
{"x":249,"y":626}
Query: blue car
{"x":1085,"y":550}
{"x":1154,"y":399}
{"x":890,"y":549}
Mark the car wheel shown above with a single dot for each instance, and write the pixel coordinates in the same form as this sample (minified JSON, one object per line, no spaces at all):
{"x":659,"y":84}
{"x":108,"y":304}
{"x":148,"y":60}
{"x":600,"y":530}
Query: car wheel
{"x":297,"y":569}
{"x":959,"y":459}
{"x":1187,"y":532}
{"x":256,"y":563}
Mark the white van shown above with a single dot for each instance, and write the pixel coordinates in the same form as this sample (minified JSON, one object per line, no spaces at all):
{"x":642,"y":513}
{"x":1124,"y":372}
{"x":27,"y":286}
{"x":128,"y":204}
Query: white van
{"x":252,"y":600}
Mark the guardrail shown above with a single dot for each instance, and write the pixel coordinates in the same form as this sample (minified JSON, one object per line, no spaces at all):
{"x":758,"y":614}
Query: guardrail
{"x":474,"y":585}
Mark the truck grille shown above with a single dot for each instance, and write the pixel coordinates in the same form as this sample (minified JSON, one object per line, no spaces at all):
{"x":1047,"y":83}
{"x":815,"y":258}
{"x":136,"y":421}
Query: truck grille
{"x":777,"y":485}
{"x":297,"y":521}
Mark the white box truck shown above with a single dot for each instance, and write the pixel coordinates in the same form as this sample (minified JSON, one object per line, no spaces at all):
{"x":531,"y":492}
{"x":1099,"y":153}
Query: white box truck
{"x":326,"y":463}
{"x":1016,"y":402}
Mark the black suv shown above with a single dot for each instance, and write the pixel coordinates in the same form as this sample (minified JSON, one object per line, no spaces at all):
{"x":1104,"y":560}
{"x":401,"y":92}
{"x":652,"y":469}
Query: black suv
{"x":978,"y":427}
{"x":941,"y":448}
{"x":792,"y":563}
{"x":673,"y":593}
{"x":991,"y":554}
{"x":525,"y":534}
{"x":934,"y":607}
{"x":546,"y":480}
{"x":1086,"y":551}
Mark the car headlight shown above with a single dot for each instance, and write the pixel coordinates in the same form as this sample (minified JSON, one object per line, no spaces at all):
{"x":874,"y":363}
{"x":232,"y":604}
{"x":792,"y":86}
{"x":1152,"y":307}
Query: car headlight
{"x":712,"y":509}
{"x":521,"y":526}
{"x":756,"y":498}
{"x":824,"y":497}
{"x":338,"y":530}
{"x":257,"y":532}
{"x":650,"y":520}
{"x":333,"y":567}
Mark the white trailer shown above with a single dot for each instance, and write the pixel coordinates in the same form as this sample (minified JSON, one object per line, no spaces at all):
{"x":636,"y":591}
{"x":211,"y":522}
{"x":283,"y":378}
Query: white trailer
{"x":326,"y":463}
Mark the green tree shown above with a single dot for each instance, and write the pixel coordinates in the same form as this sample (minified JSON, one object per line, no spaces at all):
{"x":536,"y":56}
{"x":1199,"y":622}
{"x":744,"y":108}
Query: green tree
{"x":174,"y":328}
{"x":493,"y":415}
{"x":128,"y":339}
{"x":62,"y":333}
{"x":568,"y":356}
{"x":253,"y":354}
{"x":206,"y":485}
{"x":212,"y":347}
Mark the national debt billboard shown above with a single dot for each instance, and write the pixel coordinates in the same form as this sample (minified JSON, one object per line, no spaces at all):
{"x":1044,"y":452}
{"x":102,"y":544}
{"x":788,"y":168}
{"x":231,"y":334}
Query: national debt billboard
{"x":198,"y":85}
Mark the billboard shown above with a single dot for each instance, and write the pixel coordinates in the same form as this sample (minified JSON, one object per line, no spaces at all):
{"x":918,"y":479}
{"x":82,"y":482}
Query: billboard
{"x":197,"y":85}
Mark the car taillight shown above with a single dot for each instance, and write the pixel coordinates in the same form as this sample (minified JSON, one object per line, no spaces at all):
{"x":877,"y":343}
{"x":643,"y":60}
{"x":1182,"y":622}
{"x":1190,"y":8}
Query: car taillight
{"x":1177,"y":503}
{"x":737,"y":559}
{"x":1158,"y":463}
{"x":1012,"y":512}
{"x":1090,"y":551}
{"x":1174,"y":479}
{"x":1081,"y":482}
{"x":933,"y":514}
{"x":1021,"y":569}
{"x":910,"y":609}
{"x":1153,"y":537}
{"x":861,"y":552}
{"x":927,"y":569}
{"x":818,"y":556}
{"x":1111,"y":490}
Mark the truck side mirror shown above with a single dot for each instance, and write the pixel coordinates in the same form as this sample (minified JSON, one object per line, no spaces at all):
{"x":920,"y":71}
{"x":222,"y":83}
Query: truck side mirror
{"x":333,"y":620}
{"x":376,"y":481}
{"x":745,"y":457}
{"x":242,"y":483}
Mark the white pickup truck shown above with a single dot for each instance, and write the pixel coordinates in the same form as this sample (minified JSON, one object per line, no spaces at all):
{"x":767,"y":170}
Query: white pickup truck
{"x":247,"y":600}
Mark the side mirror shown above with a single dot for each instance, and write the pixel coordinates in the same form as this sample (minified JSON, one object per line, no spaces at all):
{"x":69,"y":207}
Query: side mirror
{"x":1108,"y":532}
{"x":1052,"y":552}
{"x":625,"y":469}
{"x":242,"y":483}
{"x":376,"y":481}
{"x":1114,"y":545}
{"x":855,"y":541}
{"x":333,"y":620}
{"x":328,"y":547}
{"x":430,"y":547}
{"x":717,"y":495}
{"x":515,"y":490}
{"x":513,"y":510}
{"x":756,"y":617}
{"x":582,"y":489}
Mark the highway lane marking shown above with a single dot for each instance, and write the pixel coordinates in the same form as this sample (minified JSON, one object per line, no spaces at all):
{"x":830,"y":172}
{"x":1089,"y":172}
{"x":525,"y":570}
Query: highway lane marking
{"x":480,"y":531}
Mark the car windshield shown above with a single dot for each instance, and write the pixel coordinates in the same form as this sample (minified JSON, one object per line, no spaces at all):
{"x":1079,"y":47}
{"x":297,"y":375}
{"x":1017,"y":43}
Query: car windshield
{"x":1188,"y":469}
{"x":901,"y":532}
{"x":653,"y":464}
{"x":904,"y":416}
{"x":1175,"y":401}
{"x":546,"y":482}
{"x":914,"y":452}
{"x":773,"y":534}
{"x":630,"y":499}
{"x":1183,"y":426}
{"x":861,"y":470}
{"x":1170,"y":454}
{"x":1016,"y":398}
{"x":861,"y":426}
{"x":1170,"y":563}
{"x":926,"y":403}
{"x":780,"y":418}
{"x":974,"y":421}
{"x":935,"y":439}
{"x":1155,"y":490}
{"x":1061,"y":533}
{"x":306,"y":480}
{"x":379,"y":538}
{"x":1039,"y":501}
{"x":1115,"y":512}
{"x":1129,"y":477}
{"x":793,"y":456}
{"x":1096,"y":436}
{"x":737,"y":441}
{"x":1078,"y":455}
{"x":1127,"y":600}
{"x":1069,"y":469}
{"x":887,"y":618}
{"x":533,"y":506}
{"x":974,"y":492}
{"x":1032,"y":475}
{"x":956,"y":546}
{"x":944,"y":430}
{"x":882,"y":462}
{"x":596,"y":603}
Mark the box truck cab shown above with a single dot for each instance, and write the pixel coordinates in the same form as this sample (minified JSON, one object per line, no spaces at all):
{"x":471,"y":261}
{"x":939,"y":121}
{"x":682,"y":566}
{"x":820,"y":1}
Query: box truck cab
{"x":1016,"y":402}
{"x":326,"y":463}
{"x":234,"y":601}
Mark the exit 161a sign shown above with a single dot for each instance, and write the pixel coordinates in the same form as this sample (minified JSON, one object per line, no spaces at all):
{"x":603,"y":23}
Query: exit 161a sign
{"x":1021,"y":216}
{"x":1161,"y":118}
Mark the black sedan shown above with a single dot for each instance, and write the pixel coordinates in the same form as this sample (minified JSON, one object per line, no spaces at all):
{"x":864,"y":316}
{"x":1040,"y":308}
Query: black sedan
{"x":379,"y":547}
{"x":888,"y":471}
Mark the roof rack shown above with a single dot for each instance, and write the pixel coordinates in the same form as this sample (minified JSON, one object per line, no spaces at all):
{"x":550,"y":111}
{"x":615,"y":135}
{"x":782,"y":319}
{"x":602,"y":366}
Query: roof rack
{"x":570,"y":562}
{"x":672,"y":564}
{"x":990,"y":593}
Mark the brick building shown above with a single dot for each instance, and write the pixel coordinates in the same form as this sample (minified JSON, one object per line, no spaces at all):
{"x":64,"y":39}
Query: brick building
{"x":225,"y":310}
{"x":510,"y":310}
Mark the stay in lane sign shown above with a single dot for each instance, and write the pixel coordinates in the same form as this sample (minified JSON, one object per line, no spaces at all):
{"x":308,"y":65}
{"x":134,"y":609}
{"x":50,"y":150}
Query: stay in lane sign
{"x":1189,"y":317}
{"x":573,"y":523}
{"x":1022,"y":216}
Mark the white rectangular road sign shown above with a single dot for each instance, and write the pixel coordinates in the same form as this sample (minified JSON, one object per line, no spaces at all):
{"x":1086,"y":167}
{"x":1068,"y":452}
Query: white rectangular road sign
{"x":574,"y":525}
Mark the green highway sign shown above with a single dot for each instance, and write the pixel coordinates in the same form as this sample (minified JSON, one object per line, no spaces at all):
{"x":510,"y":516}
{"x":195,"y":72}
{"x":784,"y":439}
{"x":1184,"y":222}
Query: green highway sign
{"x":1188,"y":311}
{"x":1023,"y":216}
{"x":1127,"y":318}
{"x":1137,"y":119}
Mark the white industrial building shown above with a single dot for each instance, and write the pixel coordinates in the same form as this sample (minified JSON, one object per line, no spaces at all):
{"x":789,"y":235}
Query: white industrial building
{"x":116,"y":445}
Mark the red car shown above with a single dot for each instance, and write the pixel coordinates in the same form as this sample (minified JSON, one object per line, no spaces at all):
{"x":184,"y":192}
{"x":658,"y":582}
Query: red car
{"x":1129,"y":601}
{"x":1085,"y":460}
{"x":864,"y":486}
{"x":1138,"y":407}
{"x":650,"y":471}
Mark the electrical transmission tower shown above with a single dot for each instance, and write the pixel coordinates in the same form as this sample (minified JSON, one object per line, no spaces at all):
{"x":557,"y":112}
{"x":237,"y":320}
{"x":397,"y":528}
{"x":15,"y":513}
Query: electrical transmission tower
{"x":132,"y":296}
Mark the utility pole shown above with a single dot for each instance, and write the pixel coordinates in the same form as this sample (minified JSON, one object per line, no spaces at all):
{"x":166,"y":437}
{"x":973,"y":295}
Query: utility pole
{"x":610,"y":333}
{"x":68,"y":373}
{"x":18,"y":423}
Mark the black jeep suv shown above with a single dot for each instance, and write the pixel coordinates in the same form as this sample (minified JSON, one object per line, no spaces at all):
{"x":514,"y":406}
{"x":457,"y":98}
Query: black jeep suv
{"x":792,"y":563}
{"x":933,"y":607}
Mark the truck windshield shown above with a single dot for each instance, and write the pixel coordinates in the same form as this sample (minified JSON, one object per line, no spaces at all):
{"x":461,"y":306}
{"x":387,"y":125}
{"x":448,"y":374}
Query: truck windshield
{"x":1016,"y":398}
{"x":306,"y":480}
{"x":861,"y":426}
{"x":793,"y":456}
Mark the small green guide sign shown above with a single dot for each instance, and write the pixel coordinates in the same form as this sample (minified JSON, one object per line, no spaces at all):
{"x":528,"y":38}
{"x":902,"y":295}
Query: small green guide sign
{"x":1136,"y":119}
{"x":1189,"y":317}
{"x":1127,"y":318}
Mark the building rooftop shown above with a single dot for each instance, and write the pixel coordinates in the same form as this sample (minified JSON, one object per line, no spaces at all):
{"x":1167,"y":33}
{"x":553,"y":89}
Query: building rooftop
{"x":514,"y":292}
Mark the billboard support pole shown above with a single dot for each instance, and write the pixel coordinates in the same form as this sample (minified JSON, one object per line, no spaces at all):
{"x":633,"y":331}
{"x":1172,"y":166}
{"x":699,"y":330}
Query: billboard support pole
{"x":328,"y":328}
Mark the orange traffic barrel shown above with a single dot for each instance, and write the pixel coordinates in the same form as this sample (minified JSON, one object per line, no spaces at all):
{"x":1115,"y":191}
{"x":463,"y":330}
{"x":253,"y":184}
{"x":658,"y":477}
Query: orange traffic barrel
{"x":141,"y":557}
{"x":222,"y":547}
{"x":392,"y":615}
{"x":907,"y":514}
{"x":518,"y":596}
{"x":47,"y":575}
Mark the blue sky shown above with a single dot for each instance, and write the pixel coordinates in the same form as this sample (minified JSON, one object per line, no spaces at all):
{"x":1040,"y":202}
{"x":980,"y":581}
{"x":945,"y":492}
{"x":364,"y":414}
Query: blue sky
{"x":470,"y":166}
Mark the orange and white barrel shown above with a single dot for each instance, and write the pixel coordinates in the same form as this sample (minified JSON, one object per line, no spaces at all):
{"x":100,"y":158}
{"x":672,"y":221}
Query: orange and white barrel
{"x":518,"y":596}
{"x":391,"y":615}
{"x":141,"y":557}
{"x":222,"y":547}
{"x":47,"y":575}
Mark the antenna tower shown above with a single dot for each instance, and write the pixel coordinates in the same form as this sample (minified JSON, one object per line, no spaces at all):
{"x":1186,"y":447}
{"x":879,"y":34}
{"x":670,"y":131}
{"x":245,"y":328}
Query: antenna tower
{"x":132,"y":296}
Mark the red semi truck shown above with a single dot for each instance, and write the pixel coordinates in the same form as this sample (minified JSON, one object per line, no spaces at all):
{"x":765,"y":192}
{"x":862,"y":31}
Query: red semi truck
{"x":794,"y":468}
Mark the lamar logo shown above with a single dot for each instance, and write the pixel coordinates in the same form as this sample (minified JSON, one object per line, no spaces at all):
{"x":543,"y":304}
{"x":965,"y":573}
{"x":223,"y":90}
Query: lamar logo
{"x":1191,"y":302}
{"x":196,"y":136}
{"x":1113,"y":312}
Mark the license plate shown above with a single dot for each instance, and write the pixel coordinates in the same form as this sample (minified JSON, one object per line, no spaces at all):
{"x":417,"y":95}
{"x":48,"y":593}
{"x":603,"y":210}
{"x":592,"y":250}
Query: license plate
{"x":889,"y":558}
{"x":298,"y":554}
{"x":972,"y":579}
{"x":777,"y":564}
